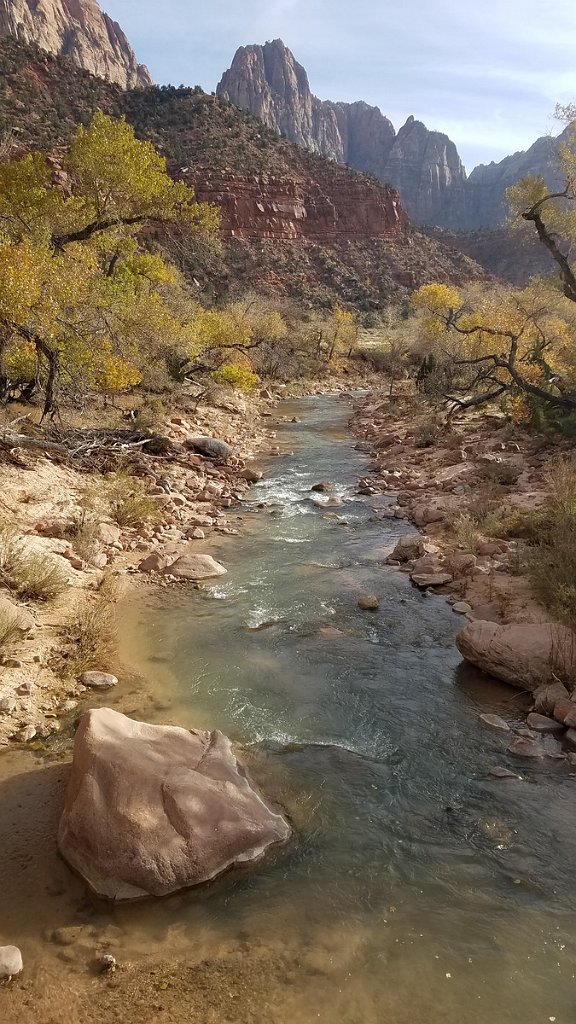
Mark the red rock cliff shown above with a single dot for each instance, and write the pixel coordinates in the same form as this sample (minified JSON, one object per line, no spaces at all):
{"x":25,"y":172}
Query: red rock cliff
{"x":341,"y":208}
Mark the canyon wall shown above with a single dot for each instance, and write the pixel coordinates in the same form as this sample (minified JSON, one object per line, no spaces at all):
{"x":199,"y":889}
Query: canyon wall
{"x":79,"y":30}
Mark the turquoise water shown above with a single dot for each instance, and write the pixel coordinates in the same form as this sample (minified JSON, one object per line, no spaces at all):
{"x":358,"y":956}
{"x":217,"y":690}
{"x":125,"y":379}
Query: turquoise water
{"x":433,"y":891}
{"x":417,"y":889}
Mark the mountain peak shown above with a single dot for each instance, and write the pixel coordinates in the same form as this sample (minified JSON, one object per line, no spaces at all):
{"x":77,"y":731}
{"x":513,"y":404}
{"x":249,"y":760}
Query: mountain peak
{"x":79,"y":30}
{"x":269,"y":82}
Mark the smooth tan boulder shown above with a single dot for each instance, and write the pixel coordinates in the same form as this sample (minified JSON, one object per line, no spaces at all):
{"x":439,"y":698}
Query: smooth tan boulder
{"x":528,"y":655}
{"x":151,"y":809}
{"x":195,"y":567}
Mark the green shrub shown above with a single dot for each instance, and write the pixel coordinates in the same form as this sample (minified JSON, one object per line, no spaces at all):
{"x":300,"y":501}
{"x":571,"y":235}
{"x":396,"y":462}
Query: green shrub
{"x":236,"y":377}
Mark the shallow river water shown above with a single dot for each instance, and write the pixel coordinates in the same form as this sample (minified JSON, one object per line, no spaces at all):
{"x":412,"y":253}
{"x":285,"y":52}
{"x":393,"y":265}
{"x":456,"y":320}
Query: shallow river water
{"x":417,"y":888}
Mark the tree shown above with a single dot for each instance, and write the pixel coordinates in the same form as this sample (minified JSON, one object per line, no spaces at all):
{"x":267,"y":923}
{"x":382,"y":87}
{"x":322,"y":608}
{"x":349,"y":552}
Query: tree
{"x":492,"y":343}
{"x":81,"y":300}
{"x":552,"y":211}
{"x":489,"y":344}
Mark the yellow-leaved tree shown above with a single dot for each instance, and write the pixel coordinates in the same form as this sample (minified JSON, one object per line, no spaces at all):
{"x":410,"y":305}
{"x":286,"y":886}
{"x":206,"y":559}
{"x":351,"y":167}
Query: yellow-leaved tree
{"x":82,"y":303}
{"x":483,"y":344}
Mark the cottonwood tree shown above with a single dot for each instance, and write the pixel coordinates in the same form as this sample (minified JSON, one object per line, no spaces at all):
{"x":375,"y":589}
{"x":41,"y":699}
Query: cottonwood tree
{"x":82,"y":301}
{"x":488,"y":344}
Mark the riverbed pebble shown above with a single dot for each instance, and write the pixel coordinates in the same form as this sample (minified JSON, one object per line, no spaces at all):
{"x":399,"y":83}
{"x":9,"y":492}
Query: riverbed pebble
{"x":98,"y":680}
{"x":368,"y":603}
{"x":495,"y":721}
{"x":10,"y":961}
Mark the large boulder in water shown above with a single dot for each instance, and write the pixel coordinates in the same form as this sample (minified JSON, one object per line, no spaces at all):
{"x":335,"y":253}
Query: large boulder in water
{"x":151,"y":809}
{"x":528,"y":655}
{"x":195,"y":567}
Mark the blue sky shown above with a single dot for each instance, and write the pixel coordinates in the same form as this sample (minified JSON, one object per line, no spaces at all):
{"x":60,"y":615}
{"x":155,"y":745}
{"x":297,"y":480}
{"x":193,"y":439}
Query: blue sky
{"x":488,"y":74}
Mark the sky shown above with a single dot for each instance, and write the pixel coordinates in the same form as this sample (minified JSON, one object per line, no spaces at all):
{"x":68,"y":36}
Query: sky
{"x":487,"y":73}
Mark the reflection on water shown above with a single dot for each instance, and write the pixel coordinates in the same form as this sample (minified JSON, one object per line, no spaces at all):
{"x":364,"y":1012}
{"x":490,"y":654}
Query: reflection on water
{"x":418,"y":888}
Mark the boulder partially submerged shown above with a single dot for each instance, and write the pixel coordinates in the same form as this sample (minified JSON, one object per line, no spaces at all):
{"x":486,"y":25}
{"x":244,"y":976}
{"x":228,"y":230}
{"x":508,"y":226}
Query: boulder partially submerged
{"x":527,"y":655}
{"x":151,"y":809}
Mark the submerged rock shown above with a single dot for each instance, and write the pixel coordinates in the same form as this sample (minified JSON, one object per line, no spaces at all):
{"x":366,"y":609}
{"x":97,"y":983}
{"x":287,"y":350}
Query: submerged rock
{"x":151,"y":809}
{"x":527,"y":655}
{"x":496,"y":722}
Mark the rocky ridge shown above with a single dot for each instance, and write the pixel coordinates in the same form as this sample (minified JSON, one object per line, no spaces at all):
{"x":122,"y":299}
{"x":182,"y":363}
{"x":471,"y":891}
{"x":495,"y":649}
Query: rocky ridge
{"x":423,"y":165}
{"x":80,"y":31}
{"x":292,"y":223}
{"x":270,"y":83}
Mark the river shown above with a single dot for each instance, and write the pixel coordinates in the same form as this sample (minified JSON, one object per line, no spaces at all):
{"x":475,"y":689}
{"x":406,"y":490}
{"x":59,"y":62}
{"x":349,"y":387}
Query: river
{"x":417,"y":888}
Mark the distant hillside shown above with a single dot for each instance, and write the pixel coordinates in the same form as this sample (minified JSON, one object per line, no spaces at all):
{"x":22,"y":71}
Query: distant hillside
{"x":293,"y":223}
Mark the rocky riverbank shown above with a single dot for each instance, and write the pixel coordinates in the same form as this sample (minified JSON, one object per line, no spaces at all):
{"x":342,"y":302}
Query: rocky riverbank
{"x":465,"y":488}
{"x":46,"y":505}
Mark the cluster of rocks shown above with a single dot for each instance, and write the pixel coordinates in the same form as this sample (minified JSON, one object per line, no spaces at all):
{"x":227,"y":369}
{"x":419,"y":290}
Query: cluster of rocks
{"x":436,"y":478}
{"x":193,"y":491}
{"x":534,"y":658}
{"x":508,"y":635}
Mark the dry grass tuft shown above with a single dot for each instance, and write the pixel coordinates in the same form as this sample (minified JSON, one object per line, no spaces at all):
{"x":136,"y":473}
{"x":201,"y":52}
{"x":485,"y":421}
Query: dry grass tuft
{"x":94,"y":635}
{"x":34,"y":575}
{"x":129,"y":501}
{"x":38,"y":577}
{"x":9,"y":630}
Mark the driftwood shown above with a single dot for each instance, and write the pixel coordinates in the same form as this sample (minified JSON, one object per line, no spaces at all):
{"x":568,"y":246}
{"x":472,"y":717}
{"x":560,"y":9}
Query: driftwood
{"x":87,"y":444}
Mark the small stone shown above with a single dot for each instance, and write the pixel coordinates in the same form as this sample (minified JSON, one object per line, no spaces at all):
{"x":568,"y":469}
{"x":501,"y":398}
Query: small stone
{"x":10,"y":961}
{"x":540,"y":723}
{"x":98,"y":680}
{"x":25,"y":689}
{"x":67,"y":706}
{"x":437,"y":579}
{"x":13,"y":663}
{"x":67,"y":936}
{"x":109,"y":534}
{"x":154,"y":562}
{"x":503,"y":773}
{"x":461,"y":607}
{"x":196,"y":533}
{"x":495,"y":722}
{"x":252,"y":476}
{"x":522,"y":746}
{"x":25,"y":734}
{"x":106,"y":964}
{"x":7,"y":705}
{"x":368,"y":603}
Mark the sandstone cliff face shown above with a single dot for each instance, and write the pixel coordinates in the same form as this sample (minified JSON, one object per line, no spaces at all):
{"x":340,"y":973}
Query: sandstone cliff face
{"x":423,"y":165}
{"x":336,"y":209}
{"x":77,"y":29}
